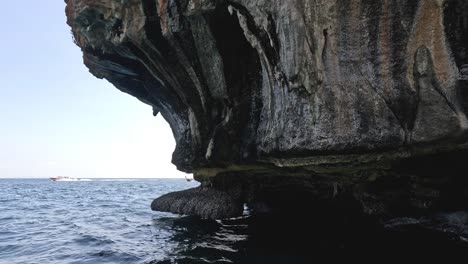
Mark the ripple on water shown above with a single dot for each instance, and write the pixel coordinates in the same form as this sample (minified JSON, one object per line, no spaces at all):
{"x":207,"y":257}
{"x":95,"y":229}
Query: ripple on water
{"x":92,"y":241}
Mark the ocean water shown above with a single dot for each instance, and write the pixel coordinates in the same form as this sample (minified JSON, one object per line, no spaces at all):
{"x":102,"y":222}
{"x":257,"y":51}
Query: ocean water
{"x":110,"y":221}
{"x":99,"y":221}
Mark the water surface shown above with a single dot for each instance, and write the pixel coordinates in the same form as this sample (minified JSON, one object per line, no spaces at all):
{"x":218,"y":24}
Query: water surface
{"x":110,"y":221}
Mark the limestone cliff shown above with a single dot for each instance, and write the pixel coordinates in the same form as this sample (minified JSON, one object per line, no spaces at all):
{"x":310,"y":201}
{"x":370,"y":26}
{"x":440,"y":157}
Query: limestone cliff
{"x":311,"y":99}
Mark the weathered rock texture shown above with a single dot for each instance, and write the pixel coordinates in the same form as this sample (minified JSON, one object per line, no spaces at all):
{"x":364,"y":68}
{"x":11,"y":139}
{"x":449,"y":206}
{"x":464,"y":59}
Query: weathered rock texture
{"x":294,"y":88}
{"x":204,"y":201}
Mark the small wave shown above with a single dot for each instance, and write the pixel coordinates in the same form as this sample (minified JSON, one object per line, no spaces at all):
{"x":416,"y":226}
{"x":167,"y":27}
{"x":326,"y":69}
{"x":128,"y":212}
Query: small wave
{"x":9,"y":218}
{"x":10,"y":248}
{"x":112,"y":256}
{"x":90,"y":240}
{"x":7,"y":233}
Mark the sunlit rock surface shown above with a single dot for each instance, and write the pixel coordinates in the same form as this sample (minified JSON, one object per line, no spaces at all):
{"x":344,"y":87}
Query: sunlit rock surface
{"x":282,"y":102}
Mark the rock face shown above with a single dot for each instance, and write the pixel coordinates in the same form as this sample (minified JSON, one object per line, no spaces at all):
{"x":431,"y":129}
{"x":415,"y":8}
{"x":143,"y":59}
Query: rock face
{"x":307,"y":98}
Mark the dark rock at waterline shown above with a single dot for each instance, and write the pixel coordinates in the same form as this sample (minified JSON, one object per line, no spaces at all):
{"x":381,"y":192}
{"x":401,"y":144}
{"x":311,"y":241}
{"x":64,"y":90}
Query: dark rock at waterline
{"x":201,"y":201}
{"x":259,"y":94}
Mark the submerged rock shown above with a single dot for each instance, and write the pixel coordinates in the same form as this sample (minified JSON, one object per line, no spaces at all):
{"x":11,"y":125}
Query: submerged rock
{"x":203,"y":201}
{"x":308,"y":99}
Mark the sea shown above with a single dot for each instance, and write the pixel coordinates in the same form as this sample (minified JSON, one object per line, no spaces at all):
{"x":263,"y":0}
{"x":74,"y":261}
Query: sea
{"x":110,"y":221}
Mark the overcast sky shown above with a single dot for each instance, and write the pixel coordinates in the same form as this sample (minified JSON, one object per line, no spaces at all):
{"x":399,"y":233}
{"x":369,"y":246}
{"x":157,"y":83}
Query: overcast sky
{"x":56,"y":118}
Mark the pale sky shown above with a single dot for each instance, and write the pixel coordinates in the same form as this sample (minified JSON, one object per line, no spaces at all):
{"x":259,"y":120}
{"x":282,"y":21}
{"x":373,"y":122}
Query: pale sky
{"x":56,"y":118}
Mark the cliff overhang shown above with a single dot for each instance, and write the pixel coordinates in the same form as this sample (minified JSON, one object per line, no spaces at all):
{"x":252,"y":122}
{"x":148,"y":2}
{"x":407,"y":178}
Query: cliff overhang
{"x":310,"y":100}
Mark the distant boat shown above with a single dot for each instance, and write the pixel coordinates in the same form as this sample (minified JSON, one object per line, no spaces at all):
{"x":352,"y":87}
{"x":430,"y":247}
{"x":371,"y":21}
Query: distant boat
{"x":64,"y":178}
